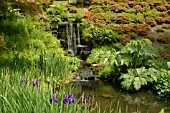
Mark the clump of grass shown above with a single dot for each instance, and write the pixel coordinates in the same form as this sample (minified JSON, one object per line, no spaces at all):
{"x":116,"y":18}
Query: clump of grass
{"x":23,"y":93}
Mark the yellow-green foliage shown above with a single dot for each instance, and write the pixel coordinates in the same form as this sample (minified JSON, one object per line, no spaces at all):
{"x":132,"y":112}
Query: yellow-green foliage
{"x":24,"y":40}
{"x":30,"y":47}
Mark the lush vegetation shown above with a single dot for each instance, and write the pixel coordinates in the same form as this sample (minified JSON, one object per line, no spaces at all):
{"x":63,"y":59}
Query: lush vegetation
{"x":105,"y":22}
{"x":34,"y":68}
{"x":135,"y":65}
{"x":118,"y":31}
{"x":23,"y":93}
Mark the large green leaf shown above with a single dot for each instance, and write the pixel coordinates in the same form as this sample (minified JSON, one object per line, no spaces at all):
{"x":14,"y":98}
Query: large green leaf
{"x":139,"y":71}
{"x":148,"y":51}
{"x":137,"y":83}
{"x":136,"y":78}
{"x":143,"y":81}
{"x":128,"y":81}
{"x":102,"y":55}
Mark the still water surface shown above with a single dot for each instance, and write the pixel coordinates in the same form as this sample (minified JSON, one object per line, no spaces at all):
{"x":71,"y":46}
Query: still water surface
{"x":109,"y":97}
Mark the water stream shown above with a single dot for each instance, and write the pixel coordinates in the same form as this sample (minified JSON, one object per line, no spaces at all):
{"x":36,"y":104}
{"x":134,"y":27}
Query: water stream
{"x":69,"y":36}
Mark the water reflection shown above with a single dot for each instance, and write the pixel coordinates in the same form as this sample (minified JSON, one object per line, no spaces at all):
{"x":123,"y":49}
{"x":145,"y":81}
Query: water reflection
{"x":110,"y":97}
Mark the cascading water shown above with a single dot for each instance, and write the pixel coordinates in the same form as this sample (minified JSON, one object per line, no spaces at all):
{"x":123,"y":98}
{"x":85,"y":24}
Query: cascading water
{"x":70,"y":37}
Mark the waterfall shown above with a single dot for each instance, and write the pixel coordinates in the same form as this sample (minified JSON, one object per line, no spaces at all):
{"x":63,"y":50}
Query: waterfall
{"x":70,"y":37}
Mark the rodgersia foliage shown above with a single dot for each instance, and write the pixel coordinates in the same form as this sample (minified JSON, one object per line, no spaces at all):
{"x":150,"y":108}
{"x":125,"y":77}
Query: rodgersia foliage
{"x":136,"y":78}
{"x":103,"y":56}
{"x":138,"y":52}
{"x":133,"y":65}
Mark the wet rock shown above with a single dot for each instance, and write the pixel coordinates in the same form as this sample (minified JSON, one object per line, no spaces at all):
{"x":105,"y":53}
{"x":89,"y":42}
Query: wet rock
{"x":168,"y":63}
{"x":96,"y":68}
{"x":95,"y":65}
{"x":76,"y":76}
{"x":71,"y":53}
{"x":92,"y":78}
{"x":105,"y":95}
{"x":85,"y":75}
{"x":84,"y":63}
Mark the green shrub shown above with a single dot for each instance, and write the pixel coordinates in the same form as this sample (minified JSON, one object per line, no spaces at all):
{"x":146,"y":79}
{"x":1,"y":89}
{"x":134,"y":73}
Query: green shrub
{"x":28,"y":44}
{"x":83,"y":1}
{"x":74,"y":63}
{"x":104,"y":56}
{"x":58,"y":11}
{"x":73,"y":9}
{"x":151,"y":13}
{"x":136,"y":64}
{"x":99,"y":35}
{"x":107,"y":73}
{"x":25,"y":39}
{"x":134,"y":54}
{"x":138,"y":52}
{"x":162,"y":86}
{"x":79,"y":17}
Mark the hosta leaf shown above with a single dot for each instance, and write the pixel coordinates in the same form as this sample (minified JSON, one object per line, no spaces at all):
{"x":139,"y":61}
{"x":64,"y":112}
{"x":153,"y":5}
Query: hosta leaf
{"x":162,"y":111}
{"x":137,"y":83}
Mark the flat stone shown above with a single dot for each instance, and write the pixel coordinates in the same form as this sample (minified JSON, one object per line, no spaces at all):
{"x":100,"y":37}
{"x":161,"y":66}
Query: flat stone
{"x":107,"y":95}
{"x":95,"y":65}
{"x":82,"y":46}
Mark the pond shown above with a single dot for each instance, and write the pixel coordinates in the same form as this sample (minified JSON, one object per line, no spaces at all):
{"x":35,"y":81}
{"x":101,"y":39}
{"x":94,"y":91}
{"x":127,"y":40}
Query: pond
{"x":110,"y":97}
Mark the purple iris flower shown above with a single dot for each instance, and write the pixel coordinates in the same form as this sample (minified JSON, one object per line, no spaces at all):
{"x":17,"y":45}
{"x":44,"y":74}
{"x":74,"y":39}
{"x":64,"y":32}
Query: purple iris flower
{"x":86,"y":99}
{"x":69,"y":99}
{"x":35,"y":82}
{"x":54,"y":99}
{"x":25,"y":80}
